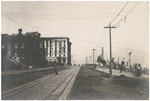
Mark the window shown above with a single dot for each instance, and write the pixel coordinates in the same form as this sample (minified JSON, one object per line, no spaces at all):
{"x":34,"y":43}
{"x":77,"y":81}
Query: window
{"x":64,"y":50}
{"x":55,"y":53}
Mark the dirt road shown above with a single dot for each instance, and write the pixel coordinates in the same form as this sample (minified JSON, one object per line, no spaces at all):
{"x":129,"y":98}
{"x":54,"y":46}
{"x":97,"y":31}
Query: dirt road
{"x":91,"y":84}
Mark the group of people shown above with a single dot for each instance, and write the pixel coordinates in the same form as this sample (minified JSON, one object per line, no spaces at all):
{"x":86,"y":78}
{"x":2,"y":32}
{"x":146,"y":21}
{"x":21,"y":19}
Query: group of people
{"x":137,"y":68}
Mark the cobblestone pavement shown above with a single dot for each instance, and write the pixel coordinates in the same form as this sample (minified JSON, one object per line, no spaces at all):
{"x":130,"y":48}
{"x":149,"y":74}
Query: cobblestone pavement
{"x":49,"y":87}
{"x":13,"y":79}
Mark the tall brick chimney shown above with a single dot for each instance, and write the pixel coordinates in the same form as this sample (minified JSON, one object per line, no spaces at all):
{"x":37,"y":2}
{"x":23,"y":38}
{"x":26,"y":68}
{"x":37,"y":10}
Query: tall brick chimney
{"x":20,"y":31}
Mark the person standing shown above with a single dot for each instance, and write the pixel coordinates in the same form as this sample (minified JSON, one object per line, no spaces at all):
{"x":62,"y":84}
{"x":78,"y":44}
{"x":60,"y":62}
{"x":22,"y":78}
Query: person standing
{"x":135,"y":69}
{"x":113,"y":65}
{"x":122,"y":65}
{"x":139,"y":70}
{"x":55,"y":67}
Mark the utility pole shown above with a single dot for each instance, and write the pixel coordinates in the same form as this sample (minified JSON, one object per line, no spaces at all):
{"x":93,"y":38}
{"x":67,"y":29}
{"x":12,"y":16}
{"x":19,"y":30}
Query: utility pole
{"x":93,"y":55}
{"x":110,"y":27}
{"x":103,"y":53}
{"x":130,"y":58}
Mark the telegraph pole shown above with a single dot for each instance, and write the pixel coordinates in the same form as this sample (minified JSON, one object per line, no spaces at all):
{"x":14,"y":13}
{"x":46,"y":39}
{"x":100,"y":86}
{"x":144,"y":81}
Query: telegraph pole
{"x":103,"y":53}
{"x":130,"y":58}
{"x":93,"y":54}
{"x":110,"y":27}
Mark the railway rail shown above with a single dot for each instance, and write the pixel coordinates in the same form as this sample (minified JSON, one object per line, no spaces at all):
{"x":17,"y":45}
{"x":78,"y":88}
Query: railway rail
{"x":48,"y":87}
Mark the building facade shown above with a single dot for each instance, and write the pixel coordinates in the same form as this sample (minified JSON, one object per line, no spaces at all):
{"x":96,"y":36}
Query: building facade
{"x":57,"y":48}
{"x":13,"y":45}
{"x":23,"y":48}
{"x":31,"y":50}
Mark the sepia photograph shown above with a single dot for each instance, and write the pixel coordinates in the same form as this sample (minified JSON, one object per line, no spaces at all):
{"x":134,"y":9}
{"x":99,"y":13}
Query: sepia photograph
{"x":75,"y":50}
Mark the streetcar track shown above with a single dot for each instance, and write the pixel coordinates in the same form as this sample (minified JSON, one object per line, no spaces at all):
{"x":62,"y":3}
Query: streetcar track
{"x":61,"y":97}
{"x":68,"y":83}
{"x":47,"y":95}
{"x":24,"y":87}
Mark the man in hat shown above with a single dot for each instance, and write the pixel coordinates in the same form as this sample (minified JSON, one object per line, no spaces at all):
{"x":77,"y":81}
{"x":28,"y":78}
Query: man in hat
{"x":122,"y":65}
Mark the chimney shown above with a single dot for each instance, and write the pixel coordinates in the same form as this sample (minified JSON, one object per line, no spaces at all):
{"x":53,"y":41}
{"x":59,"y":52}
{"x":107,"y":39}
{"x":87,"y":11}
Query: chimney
{"x":102,"y":52}
{"x":20,"y":31}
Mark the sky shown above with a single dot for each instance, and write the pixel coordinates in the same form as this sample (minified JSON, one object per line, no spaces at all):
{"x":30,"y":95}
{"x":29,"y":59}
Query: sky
{"x":83,"y":22}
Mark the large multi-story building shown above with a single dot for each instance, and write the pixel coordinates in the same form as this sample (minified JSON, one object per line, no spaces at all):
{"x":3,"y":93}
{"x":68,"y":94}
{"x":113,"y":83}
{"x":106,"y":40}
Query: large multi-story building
{"x":58,"y":48}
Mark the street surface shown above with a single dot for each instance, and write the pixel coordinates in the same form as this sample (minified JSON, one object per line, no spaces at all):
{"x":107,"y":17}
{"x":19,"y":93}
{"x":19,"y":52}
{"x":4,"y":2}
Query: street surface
{"x":15,"y":78}
{"x":92,"y":84}
{"x":46,"y":88}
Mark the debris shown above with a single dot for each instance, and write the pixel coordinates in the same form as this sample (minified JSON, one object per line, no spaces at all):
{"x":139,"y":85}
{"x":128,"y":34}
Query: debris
{"x":121,"y":76}
{"x":141,"y":92}
{"x":30,"y":67}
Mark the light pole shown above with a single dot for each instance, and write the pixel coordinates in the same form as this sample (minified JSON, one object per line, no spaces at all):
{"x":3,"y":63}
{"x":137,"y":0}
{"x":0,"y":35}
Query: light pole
{"x":130,"y":58}
{"x":93,"y":55}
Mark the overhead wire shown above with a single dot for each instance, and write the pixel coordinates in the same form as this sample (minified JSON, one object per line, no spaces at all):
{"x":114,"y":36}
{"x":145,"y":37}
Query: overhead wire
{"x":127,"y":13}
{"x":50,"y":31}
{"x":10,"y":13}
{"x":119,"y":12}
{"x":101,"y":37}
{"x":115,"y":18}
{"x":120,"y":20}
{"x":63,"y":17}
{"x":127,"y":49}
{"x":16,"y":23}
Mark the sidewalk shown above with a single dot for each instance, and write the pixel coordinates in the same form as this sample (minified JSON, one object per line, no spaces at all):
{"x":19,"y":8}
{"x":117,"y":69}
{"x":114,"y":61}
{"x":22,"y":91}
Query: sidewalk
{"x":15,"y":72}
{"x":117,"y":72}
